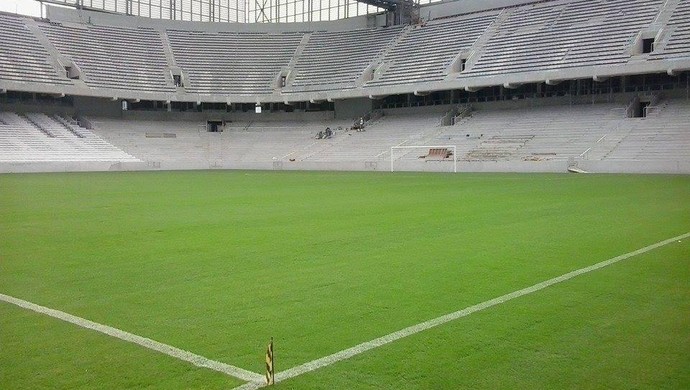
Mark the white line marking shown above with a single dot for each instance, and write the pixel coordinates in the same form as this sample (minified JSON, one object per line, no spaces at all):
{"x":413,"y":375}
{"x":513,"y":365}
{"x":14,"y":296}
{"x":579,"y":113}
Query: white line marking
{"x":169,"y":350}
{"x":409,"y":331}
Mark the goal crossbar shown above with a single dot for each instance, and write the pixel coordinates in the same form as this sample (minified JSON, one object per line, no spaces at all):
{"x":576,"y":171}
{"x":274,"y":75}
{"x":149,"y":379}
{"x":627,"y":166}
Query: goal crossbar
{"x":451,"y":147}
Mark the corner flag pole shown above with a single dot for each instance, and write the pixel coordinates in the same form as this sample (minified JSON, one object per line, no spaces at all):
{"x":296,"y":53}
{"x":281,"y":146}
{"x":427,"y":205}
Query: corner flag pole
{"x":270,"y":368}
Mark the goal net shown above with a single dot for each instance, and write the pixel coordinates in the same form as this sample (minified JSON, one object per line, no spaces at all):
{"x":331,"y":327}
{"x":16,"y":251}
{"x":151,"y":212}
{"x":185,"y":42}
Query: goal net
{"x":424,"y":158}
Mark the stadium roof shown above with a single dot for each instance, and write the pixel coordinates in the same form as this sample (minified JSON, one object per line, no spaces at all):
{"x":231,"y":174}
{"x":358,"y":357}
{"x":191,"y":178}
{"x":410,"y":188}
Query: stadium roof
{"x":238,"y":10}
{"x":387,"y":4}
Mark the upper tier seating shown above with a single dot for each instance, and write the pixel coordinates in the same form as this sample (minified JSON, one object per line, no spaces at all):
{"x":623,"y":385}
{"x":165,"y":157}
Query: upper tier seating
{"x":22,"y":57}
{"x":536,"y":37}
{"x":228,"y":62}
{"x":565,"y":34}
{"x":678,"y":44}
{"x":114,"y":57}
{"x":335,"y":59}
{"x":426,"y":51}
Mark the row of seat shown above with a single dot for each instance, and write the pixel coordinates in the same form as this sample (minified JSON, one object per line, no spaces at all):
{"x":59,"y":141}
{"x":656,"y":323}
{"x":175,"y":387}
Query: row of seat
{"x":111,"y":57}
{"x":337,"y":58}
{"x":678,"y":44}
{"x":232,"y":62}
{"x":542,"y":133}
{"x":426,"y":51}
{"x":22,"y":57}
{"x":38,"y":137}
{"x":578,"y":33}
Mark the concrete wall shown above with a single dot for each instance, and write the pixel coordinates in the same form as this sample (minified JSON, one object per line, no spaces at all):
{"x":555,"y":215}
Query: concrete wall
{"x":227,"y":116}
{"x":353,"y":108}
{"x":48,"y":109}
{"x":671,"y":167}
{"x":628,"y":167}
{"x":97,"y":106}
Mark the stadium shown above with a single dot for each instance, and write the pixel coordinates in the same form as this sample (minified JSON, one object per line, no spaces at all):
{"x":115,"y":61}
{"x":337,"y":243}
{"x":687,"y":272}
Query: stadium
{"x":341,"y":194}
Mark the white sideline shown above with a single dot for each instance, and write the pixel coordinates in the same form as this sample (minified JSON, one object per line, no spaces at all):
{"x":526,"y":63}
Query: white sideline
{"x":169,"y":350}
{"x":378,"y":342}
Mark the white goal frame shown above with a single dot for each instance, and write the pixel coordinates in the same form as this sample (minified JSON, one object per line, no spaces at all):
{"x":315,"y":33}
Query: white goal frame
{"x":451,"y":147}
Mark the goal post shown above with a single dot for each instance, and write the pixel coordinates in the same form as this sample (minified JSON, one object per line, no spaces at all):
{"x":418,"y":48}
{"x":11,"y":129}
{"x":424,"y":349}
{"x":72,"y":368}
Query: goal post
{"x":441,"y":154}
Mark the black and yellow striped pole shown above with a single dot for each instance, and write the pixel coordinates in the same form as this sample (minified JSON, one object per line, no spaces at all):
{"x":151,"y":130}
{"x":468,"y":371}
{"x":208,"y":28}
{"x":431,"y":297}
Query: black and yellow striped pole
{"x":270,"y":368}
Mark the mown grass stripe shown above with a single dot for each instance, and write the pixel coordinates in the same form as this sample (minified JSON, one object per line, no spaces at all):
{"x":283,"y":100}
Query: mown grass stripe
{"x":414,"y":329}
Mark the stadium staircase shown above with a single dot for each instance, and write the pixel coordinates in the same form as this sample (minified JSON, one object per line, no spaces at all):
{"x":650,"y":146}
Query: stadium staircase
{"x":295,"y":58}
{"x":477,"y":49}
{"x":674,"y":24}
{"x":377,"y":65}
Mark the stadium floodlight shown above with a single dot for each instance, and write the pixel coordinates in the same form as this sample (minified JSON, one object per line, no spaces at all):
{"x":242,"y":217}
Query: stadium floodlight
{"x":444,"y":154}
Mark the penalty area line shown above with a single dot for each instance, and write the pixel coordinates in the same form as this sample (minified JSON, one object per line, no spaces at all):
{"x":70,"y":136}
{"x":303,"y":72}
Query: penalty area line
{"x":414,"y":329}
{"x":154,"y":345}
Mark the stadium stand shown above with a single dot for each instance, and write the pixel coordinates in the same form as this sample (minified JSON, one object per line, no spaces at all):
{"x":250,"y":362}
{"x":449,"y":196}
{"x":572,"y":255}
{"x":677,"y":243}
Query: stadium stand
{"x":565,"y":34}
{"x":285,"y":140}
{"x":678,"y":44}
{"x":591,"y":132}
{"x":374,"y":143}
{"x":542,"y":36}
{"x":534,"y":134}
{"x":154,"y":141}
{"x":426,"y":52}
{"x":558,"y":133}
{"x":251,"y":142}
{"x":662,"y":136}
{"x":187,"y":143}
{"x":113,"y":57}
{"x":526,"y":68}
{"x":37,"y":137}
{"x":224,"y":62}
{"x":22,"y":57}
{"x":335,"y":59}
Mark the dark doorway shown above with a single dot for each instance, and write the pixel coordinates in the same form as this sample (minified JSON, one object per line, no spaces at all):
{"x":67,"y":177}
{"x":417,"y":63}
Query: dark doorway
{"x":641,"y":110}
{"x":648,"y":45}
{"x":214,"y":126}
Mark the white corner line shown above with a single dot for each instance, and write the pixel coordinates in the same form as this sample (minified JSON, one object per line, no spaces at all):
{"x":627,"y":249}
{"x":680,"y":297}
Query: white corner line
{"x":414,"y":329}
{"x":169,"y":350}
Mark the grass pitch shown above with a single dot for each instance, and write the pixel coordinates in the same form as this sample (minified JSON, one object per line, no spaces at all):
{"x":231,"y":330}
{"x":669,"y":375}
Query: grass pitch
{"x":218,"y":262}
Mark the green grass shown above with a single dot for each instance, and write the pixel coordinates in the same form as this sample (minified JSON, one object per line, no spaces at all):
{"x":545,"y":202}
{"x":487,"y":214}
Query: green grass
{"x":218,"y":262}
